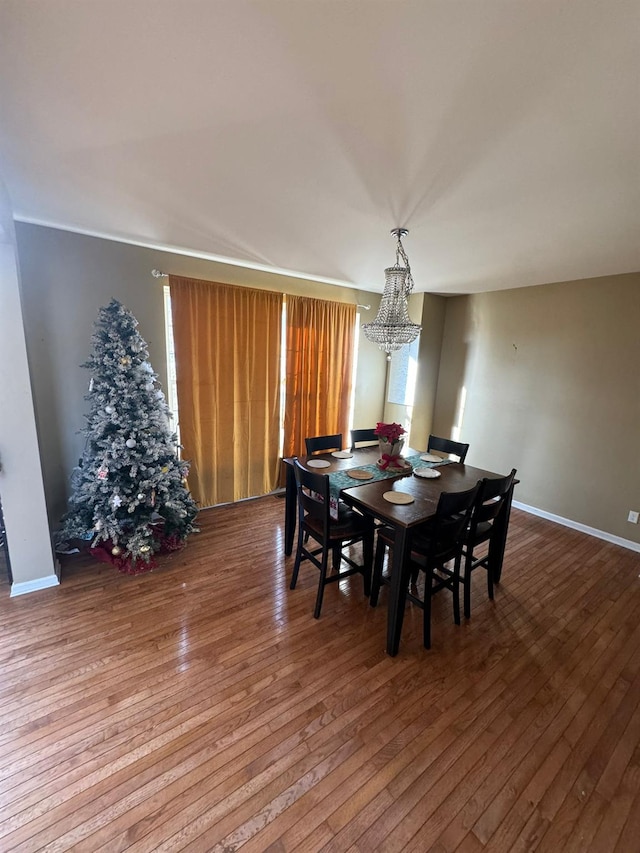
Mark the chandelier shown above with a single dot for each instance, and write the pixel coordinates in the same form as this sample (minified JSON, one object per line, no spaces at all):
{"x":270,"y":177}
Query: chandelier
{"x":392,"y":328}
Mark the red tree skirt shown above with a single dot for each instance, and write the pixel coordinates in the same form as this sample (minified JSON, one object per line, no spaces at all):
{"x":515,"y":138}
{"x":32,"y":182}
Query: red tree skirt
{"x":125,"y":564}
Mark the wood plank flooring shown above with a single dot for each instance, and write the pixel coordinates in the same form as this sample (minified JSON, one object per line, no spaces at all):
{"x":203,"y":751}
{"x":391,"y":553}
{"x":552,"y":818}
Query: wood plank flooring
{"x":200,"y":707}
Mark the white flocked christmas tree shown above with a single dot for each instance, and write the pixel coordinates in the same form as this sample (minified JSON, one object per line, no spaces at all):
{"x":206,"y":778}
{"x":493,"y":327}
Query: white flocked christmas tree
{"x":130,"y":495}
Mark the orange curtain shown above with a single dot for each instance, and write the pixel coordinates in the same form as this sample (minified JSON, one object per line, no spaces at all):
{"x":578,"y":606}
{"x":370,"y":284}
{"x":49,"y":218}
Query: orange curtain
{"x":320,"y":341}
{"x":227,"y":346}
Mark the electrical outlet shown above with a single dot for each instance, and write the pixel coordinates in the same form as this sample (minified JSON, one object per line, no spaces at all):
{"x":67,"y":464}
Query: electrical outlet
{"x":632,"y":517}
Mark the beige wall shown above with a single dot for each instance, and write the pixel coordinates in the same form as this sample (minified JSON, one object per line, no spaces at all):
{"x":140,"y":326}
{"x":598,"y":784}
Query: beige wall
{"x":67,"y":277}
{"x":547,"y":379}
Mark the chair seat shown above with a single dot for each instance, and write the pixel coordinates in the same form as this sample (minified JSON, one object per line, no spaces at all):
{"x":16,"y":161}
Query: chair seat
{"x":483,"y":532}
{"x":348,"y":524}
{"x":420,"y":543}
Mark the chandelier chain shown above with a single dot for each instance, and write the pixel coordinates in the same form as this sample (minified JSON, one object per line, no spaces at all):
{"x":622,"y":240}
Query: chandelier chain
{"x":400,"y":253}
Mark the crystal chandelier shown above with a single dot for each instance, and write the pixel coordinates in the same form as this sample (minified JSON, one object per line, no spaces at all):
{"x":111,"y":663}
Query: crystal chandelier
{"x":392,"y":328}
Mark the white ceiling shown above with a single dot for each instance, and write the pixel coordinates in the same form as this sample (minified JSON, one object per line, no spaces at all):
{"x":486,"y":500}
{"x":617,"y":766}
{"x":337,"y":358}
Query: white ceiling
{"x":294,"y":134}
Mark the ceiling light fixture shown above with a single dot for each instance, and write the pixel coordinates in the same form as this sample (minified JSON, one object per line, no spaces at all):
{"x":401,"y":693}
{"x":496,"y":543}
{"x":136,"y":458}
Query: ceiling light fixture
{"x":392,"y":328}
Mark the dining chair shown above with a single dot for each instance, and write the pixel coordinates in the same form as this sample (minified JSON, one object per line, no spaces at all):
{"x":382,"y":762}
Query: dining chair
{"x":323,"y":443}
{"x":491,"y":501}
{"x":447,"y":445}
{"x":363,"y":437}
{"x":433,"y":547}
{"x":331,"y":535}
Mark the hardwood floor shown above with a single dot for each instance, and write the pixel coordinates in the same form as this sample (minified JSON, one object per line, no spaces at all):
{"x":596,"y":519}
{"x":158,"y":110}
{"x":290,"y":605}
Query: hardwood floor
{"x":200,"y":707}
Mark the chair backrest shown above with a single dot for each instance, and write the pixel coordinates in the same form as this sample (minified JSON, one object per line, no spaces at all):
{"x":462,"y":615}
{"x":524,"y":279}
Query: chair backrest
{"x":447,"y":445}
{"x":313,"y":495}
{"x":447,"y":530}
{"x":323,"y":443}
{"x":492,"y":497}
{"x":363,"y":436}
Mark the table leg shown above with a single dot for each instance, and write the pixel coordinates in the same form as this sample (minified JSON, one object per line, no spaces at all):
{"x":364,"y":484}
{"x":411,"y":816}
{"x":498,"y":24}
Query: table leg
{"x":397,"y":591}
{"x":499,"y":539}
{"x":290,"y":506}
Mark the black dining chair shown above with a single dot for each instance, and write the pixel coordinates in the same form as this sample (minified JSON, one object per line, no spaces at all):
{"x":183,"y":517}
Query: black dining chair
{"x":363,"y":437}
{"x":447,"y":445}
{"x":491,"y":502}
{"x":331,"y":535}
{"x":433,"y":547}
{"x":323,"y":443}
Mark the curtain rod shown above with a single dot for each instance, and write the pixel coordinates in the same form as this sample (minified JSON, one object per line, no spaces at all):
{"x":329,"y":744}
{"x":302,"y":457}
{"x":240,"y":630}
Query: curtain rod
{"x":159,"y":274}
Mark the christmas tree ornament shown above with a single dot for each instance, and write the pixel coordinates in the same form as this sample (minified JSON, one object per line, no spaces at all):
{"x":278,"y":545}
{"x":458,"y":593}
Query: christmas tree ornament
{"x":116,"y":550}
{"x":109,"y":410}
{"x":141,"y":497}
{"x":131,"y":443}
{"x":116,"y":501}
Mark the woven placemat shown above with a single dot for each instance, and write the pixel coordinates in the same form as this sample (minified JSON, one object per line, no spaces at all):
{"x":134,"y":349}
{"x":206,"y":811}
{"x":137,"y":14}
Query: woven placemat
{"x":398,"y":497}
{"x":359,"y":474}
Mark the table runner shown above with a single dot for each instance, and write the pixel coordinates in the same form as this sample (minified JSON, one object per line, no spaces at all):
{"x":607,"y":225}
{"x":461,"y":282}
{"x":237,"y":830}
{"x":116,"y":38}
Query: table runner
{"x":339,"y":480}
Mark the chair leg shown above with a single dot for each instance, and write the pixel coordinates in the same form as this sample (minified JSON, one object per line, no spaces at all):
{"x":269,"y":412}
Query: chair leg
{"x":456,"y":591}
{"x":426,"y":612}
{"x":490,"y":582}
{"x":377,"y":573}
{"x":467,"y":585}
{"x":296,"y":565}
{"x":336,"y":558}
{"x":321,"y":583}
{"x":367,"y":559}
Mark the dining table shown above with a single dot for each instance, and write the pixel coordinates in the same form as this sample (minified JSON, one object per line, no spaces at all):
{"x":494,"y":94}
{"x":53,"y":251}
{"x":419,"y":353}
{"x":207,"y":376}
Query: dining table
{"x":423,"y":494}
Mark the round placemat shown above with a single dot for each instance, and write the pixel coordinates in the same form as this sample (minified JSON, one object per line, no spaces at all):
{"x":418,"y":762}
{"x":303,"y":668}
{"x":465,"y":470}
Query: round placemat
{"x":398,"y":497}
{"x":427,"y":473}
{"x":342,"y":454}
{"x":359,"y":474}
{"x":318,"y":463}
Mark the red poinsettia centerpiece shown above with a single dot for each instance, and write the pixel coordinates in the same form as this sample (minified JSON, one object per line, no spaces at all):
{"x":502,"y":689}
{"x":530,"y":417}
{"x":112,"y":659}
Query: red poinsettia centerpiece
{"x":389,"y":432}
{"x":391,"y":441}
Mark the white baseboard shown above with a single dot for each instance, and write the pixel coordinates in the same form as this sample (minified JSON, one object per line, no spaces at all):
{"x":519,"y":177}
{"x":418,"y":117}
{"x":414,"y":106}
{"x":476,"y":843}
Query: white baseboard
{"x":33,"y":586}
{"x":583,"y":528}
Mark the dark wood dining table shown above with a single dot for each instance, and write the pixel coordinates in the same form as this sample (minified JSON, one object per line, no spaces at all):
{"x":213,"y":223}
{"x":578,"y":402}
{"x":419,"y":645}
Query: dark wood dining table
{"x":368,"y":498}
